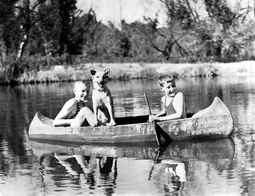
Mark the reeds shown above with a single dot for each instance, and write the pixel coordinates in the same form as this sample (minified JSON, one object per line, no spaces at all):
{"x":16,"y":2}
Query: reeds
{"x":24,"y":72}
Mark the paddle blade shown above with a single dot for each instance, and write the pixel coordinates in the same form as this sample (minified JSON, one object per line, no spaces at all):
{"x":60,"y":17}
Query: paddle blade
{"x":163,"y":139}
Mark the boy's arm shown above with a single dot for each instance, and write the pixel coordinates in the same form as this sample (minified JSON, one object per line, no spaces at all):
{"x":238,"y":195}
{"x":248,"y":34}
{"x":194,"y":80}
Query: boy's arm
{"x":163,"y":109}
{"x":64,"y":113}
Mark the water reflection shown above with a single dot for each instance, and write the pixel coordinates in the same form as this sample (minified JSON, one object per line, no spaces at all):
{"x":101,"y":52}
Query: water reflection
{"x":95,"y":172}
{"x":174,"y":176}
{"x":95,"y":168}
{"x":181,"y":166}
{"x":15,"y":165}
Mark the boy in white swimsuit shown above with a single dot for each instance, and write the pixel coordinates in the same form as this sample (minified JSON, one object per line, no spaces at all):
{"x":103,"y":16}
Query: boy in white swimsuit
{"x":172,"y":103}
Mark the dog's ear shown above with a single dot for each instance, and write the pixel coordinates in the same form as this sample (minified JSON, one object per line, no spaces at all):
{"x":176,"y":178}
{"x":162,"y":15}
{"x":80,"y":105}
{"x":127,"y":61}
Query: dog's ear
{"x":93,"y":72}
{"x":107,"y":71}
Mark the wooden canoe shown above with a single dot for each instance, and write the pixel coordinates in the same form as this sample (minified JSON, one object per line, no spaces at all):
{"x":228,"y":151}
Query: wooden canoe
{"x":214,"y":121}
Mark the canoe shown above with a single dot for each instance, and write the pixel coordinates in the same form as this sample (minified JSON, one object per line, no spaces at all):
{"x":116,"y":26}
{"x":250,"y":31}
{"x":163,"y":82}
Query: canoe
{"x":214,"y":121}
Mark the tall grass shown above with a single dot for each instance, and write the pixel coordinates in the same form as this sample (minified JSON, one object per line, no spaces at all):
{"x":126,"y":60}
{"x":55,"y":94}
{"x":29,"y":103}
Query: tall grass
{"x":42,"y":69}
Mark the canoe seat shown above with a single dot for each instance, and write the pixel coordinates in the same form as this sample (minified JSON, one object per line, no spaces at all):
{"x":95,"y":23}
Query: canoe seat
{"x":131,"y":120}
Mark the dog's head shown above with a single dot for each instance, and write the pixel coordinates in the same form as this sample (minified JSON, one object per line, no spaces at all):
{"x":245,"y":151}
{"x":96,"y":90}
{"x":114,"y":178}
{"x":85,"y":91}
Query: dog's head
{"x":100,"y":78}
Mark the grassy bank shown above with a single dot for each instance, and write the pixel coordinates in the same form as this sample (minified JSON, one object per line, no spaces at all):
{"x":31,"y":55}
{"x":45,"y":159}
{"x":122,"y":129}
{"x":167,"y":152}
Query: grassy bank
{"x":127,"y":71}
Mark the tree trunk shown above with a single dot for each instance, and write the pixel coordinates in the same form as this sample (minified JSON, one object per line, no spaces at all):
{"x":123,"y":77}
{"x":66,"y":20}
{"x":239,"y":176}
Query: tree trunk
{"x":3,"y":49}
{"x":254,"y":8}
{"x":2,"y":53}
{"x":22,"y":46}
{"x":47,"y":51}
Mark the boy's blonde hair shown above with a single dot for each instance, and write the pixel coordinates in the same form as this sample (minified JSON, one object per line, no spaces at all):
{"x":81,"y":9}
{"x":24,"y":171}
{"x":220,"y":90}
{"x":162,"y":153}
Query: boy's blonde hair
{"x":78,"y":84}
{"x":167,"y":78}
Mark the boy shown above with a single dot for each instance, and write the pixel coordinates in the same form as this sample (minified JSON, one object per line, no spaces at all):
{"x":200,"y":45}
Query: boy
{"x":172,"y":102}
{"x":75,"y":111}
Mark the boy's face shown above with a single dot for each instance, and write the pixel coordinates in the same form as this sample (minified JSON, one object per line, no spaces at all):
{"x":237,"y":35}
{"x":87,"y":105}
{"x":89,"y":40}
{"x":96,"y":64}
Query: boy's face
{"x":80,"y":91}
{"x":167,"y":86}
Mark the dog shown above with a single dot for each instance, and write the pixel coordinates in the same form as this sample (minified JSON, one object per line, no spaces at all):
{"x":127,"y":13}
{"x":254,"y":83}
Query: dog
{"x":101,"y":96}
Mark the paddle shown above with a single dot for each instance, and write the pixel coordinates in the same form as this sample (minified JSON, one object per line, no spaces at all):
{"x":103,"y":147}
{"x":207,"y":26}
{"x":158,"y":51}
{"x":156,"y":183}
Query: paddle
{"x":154,"y":122}
{"x":156,"y":160}
{"x":159,"y":132}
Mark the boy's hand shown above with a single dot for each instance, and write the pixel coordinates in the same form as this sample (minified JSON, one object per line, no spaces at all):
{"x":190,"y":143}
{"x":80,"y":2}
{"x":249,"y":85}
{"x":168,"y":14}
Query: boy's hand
{"x":112,"y":123}
{"x":95,"y":123}
{"x":152,"y":118}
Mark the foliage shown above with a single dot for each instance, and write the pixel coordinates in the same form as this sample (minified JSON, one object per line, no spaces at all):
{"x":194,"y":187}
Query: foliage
{"x":49,"y":32}
{"x":218,"y":10}
{"x":67,"y":10}
{"x":8,"y":27}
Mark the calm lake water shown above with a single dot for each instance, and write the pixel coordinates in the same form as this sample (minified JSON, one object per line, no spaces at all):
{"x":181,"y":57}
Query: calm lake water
{"x":206,"y":168}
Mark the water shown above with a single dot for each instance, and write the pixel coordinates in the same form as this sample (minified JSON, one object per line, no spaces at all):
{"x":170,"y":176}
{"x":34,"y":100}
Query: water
{"x":221,"y":167}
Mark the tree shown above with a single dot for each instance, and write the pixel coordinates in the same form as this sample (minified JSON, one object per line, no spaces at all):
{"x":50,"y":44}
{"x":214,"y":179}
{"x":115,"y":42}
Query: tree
{"x":222,"y":29}
{"x":67,"y":12}
{"x":168,"y":40}
{"x":84,"y":33}
{"x":134,"y":43}
{"x":7,"y":15}
{"x":27,"y":16}
{"x":48,"y":28}
{"x":218,"y":10}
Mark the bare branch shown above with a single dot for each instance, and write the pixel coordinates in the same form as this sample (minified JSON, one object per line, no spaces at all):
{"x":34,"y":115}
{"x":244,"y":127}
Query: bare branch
{"x":36,"y":4}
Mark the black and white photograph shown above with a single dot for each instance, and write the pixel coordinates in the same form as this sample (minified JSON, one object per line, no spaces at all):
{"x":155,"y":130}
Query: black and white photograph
{"x":127,"y":97}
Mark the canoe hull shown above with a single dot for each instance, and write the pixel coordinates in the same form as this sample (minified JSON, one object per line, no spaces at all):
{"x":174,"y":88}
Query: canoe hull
{"x":135,"y":133}
{"x":219,"y":125}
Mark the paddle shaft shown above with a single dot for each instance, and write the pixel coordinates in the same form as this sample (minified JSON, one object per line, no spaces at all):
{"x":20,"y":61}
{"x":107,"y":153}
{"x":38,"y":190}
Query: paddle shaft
{"x":154,"y":123}
{"x":147,"y":103}
{"x":155,"y":161}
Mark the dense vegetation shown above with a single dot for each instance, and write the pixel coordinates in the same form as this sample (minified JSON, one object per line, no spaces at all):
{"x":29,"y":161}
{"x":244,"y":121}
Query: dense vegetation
{"x":35,"y":34}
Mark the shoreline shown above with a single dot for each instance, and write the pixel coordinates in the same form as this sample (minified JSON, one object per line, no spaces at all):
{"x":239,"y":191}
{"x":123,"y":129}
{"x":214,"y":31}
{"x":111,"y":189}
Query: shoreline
{"x":129,"y":71}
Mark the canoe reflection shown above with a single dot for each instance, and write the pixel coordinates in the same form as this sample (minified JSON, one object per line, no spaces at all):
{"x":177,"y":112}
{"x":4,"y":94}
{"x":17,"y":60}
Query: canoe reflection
{"x":78,"y":164}
{"x":211,"y":150}
{"x":171,"y":168}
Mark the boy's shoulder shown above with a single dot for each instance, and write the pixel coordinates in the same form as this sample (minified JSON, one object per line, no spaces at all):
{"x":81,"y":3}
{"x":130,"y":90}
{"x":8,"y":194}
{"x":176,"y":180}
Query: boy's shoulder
{"x":70,"y":102}
{"x":163,"y":98}
{"x":179,"y":93}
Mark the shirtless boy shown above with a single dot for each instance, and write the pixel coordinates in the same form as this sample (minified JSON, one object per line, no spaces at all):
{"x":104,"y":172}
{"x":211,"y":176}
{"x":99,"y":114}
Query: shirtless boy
{"x":173,"y":106}
{"x":75,"y":111}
